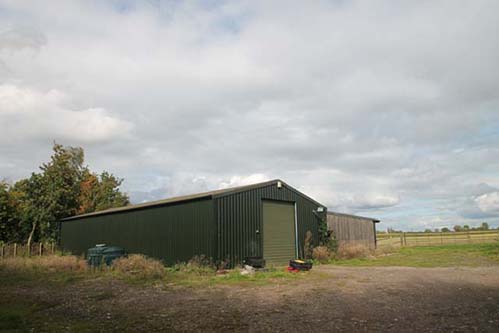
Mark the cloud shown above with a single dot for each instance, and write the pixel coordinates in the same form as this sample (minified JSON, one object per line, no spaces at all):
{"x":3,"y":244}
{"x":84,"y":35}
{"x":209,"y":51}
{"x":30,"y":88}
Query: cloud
{"x":489,"y":203}
{"x":29,"y":114}
{"x":235,"y":181}
{"x":377,"y":108}
{"x":374,"y":200}
{"x":21,"y":38}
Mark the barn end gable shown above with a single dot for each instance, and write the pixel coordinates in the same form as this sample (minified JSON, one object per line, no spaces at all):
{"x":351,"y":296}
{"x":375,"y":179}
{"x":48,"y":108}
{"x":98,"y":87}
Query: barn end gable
{"x":239,"y":219}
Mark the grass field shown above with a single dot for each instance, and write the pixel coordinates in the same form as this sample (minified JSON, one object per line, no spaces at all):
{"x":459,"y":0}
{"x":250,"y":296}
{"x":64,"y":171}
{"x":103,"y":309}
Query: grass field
{"x":436,"y":238}
{"x":433,"y":256}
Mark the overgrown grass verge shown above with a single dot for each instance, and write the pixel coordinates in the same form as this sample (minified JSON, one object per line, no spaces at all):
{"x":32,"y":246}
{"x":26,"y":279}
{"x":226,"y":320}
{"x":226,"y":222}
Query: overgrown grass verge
{"x":51,"y":270}
{"x":135,"y":269}
{"x":471,"y":255}
{"x":64,"y":270}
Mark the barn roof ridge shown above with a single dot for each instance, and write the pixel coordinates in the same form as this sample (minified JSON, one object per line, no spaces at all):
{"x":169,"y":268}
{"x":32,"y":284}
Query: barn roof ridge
{"x":351,"y":215}
{"x":189,"y":197}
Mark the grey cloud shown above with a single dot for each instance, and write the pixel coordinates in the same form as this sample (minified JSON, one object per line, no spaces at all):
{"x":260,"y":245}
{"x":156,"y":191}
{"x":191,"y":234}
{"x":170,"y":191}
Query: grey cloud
{"x":19,"y":38}
{"x":371,"y":107}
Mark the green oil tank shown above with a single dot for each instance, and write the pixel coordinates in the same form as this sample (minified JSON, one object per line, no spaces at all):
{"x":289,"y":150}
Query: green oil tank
{"x":102,"y":254}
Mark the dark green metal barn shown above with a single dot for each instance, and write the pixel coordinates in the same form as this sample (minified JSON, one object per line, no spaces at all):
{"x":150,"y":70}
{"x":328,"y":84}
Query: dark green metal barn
{"x":266,"y":220}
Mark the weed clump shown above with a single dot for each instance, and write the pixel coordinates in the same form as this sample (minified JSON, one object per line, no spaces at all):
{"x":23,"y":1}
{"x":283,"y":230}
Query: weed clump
{"x":197,"y":265}
{"x":351,"y":251}
{"x":321,"y":254}
{"x":308,"y":247}
{"x":139,"y":266}
{"x":386,"y":250}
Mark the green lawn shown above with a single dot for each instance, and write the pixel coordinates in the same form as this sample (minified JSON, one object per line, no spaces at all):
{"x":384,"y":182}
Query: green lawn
{"x":434,"y":256}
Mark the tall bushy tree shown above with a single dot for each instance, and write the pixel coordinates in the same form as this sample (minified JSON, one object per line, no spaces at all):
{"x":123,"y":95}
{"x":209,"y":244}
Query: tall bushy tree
{"x":7,"y":213}
{"x":99,"y":192}
{"x":52,"y":194}
{"x":4,"y":210}
{"x":63,"y":188}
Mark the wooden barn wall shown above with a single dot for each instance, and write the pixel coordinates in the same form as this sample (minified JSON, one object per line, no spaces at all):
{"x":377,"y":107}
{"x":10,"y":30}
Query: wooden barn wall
{"x":352,"y":230}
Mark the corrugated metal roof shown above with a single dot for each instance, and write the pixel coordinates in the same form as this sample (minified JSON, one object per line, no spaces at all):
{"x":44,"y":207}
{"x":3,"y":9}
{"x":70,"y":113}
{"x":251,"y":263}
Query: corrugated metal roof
{"x":197,"y":196}
{"x":355,"y":216}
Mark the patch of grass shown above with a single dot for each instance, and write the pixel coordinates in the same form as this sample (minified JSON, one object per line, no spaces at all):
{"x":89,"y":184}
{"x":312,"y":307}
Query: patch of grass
{"x":22,"y":315}
{"x":15,"y":314}
{"x":34,"y":277}
{"x":53,"y":263}
{"x":13,"y":317}
{"x":433,"y":256}
{"x":352,"y":251}
{"x":233,"y":277}
{"x":260,"y":278}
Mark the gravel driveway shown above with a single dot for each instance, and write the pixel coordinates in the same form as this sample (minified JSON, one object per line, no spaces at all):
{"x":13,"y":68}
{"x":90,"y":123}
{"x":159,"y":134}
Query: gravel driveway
{"x":331,"y":298}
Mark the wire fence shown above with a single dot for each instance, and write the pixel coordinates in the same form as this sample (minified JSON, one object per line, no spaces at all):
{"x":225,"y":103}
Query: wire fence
{"x":22,"y":250}
{"x":436,"y":238}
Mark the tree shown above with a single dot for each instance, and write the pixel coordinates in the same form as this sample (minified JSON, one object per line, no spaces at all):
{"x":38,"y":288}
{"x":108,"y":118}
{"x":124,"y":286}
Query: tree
{"x":7,"y":216}
{"x":427,"y":230}
{"x":63,"y":188}
{"x":466,"y":227}
{"x":445,"y":229}
{"x":4,"y":211}
{"x":484,"y":226}
{"x":34,"y":207}
{"x":53,"y":193}
{"x":458,"y":228}
{"x":100,"y":192}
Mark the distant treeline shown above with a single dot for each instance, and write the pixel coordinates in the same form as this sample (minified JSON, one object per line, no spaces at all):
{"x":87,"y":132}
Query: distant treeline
{"x":457,"y":228}
{"x":31,"y":207}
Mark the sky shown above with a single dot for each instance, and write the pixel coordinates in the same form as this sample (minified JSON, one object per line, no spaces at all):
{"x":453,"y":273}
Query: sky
{"x":387,"y":109}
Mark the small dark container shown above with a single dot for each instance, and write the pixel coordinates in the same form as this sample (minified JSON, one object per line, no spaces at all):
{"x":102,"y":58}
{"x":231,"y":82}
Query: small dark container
{"x":300,"y":265}
{"x":111,"y":253}
{"x":102,"y":254}
{"x":94,"y":255}
{"x":257,"y":262}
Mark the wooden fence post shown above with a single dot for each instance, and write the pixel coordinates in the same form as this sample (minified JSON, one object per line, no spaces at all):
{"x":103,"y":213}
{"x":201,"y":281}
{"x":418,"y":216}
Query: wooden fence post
{"x":15,"y":250}
{"x":3,"y":250}
{"x":40,"y":249}
{"x":53,"y":247}
{"x":401,"y":240}
{"x":405,"y":239}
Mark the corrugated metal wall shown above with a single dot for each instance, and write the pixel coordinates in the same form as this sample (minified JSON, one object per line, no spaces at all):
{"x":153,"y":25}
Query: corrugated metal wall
{"x":240,"y":216}
{"x":352,"y":230}
{"x":228,"y":226}
{"x":172,"y":233}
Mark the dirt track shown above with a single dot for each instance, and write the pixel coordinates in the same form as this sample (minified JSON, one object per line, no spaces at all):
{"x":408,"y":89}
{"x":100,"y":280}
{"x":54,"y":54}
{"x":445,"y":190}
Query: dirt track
{"x":332,"y":298}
